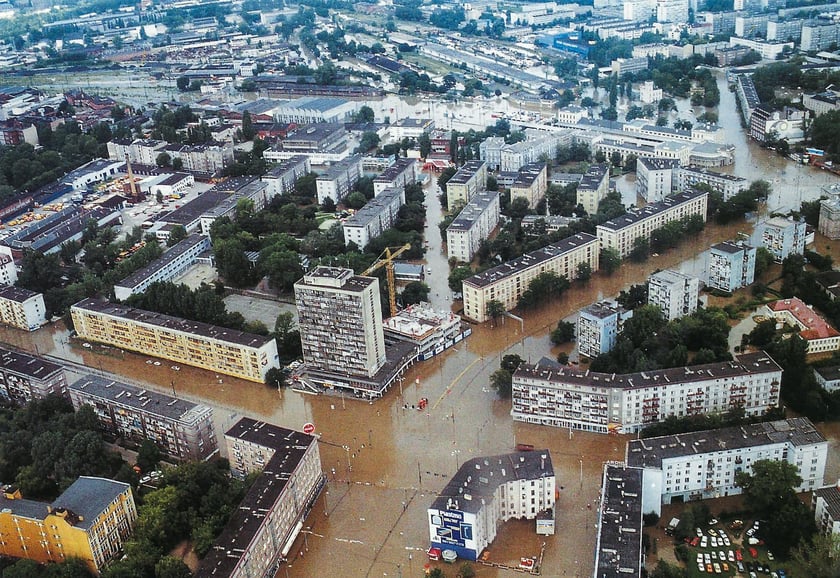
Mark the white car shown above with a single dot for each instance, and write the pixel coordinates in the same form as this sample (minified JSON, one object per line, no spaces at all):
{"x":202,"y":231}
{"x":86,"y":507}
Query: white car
{"x":726,"y":540}
{"x":730,"y":556}
{"x":704,"y":542}
{"x":714,"y":542}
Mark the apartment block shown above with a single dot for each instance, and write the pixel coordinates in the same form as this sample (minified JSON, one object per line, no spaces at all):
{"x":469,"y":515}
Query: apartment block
{"x":819,"y":35}
{"x":172,"y":263}
{"x":751,"y":25}
{"x":403,"y":172}
{"x":22,"y":308}
{"x":784,"y":29}
{"x":182,"y":430}
{"x":621,"y":232}
{"x":282,"y":178}
{"x":560,"y":396}
{"x":828,"y":377}
{"x":618,"y":546}
{"x":731,"y":265}
{"x":728,"y":185}
{"x":598,"y":325}
{"x":703,"y":464}
{"x":210,"y":347}
{"x":8,"y":270}
{"x":530,"y":184}
{"x":25,"y":377}
{"x":379,"y":214}
{"x":90,"y":521}
{"x":674,"y":293}
{"x":817,"y":333}
{"x":431,"y":331}
{"x":649,"y":94}
{"x":829,"y":224}
{"x":485,"y":491}
{"x":672,"y":11}
{"x":782,"y":237}
{"x":655,"y":178}
{"x":825,"y":502}
{"x":410,"y":127}
{"x":537,"y":145}
{"x":472,"y":225}
{"x":262,"y":530}
{"x":340,"y":321}
{"x":507,"y":282}
{"x":594,"y":187}
{"x":490,"y":151}
{"x":338,"y":180}
{"x":470,"y":180}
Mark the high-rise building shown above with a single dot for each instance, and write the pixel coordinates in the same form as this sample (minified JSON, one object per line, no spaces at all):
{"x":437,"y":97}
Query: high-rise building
{"x":731,"y":265}
{"x":470,"y":179}
{"x":829,"y":224}
{"x":22,"y":308}
{"x":598,"y":326}
{"x":782,"y":237}
{"x":655,"y":178}
{"x":594,"y":186}
{"x":24,"y":377}
{"x":340,"y":320}
{"x":673,"y":292}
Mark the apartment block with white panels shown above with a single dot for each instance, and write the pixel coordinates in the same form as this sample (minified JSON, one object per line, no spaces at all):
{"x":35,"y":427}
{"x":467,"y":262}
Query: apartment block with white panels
{"x":598,"y":326}
{"x":551,"y":394}
{"x":731,"y":265}
{"x":472,"y":225}
{"x":675,"y":293}
{"x":172,"y":263}
{"x":703,"y":464}
{"x":22,"y":308}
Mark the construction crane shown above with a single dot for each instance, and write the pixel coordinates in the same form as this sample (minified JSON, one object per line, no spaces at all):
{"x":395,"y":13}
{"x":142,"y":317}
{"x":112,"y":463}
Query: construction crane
{"x":387,"y":259}
{"x":134,"y":194}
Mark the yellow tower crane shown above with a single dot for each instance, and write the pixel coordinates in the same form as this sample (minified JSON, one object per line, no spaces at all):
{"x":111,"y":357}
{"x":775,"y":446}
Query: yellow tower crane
{"x":387,"y":259}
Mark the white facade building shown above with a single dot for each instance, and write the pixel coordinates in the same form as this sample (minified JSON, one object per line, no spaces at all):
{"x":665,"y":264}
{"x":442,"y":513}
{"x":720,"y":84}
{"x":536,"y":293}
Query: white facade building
{"x":731,"y":265}
{"x":560,"y":396}
{"x":825,"y":502}
{"x":22,"y":308}
{"x":282,"y":178}
{"x":703,"y":464}
{"x":338,"y":180}
{"x":403,"y":172}
{"x":649,"y":94}
{"x":674,"y":293}
{"x":782,"y":237}
{"x":598,"y":325}
{"x":470,"y":179}
{"x":172,"y":263}
{"x":655,"y":178}
{"x":594,"y":187}
{"x":378,"y":215}
{"x":728,"y":185}
{"x":472,"y":225}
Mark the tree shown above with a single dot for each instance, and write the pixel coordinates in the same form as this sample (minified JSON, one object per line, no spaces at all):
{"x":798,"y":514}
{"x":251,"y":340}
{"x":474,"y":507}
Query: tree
{"x":770,"y":483}
{"x":368,"y":141}
{"x":183,"y":83}
{"x":275,"y":377}
{"x":610,"y":260}
{"x":763,"y":261}
{"x":583,"y":272}
{"x":355,"y":200}
{"x":148,"y":456}
{"x":495,"y":309}
{"x":177,"y":234}
{"x":466,"y":571}
{"x":445,"y":175}
{"x":171,"y":567}
{"x":457,"y":277}
{"x":563,"y":333}
{"x":231,"y":261}
{"x":282,"y":267}
{"x":415,"y":292}
{"x":641,"y":250}
{"x":163,"y":160}
{"x":248,"y":131}
{"x":424,"y":143}
{"x":820,"y":558}
{"x":502,"y":383}
{"x":365,"y":114}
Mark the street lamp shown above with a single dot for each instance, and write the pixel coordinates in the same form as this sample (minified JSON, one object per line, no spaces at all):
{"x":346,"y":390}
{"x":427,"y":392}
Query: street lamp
{"x":581,"y":473}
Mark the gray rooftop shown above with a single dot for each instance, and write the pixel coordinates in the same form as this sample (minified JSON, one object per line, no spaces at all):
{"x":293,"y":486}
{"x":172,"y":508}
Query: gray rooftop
{"x":395,"y":170}
{"x":175,"y":323}
{"x":659,"y":164}
{"x":18,"y":294}
{"x":831,"y":495}
{"x":619,"y":548}
{"x":603,"y":309}
{"x":338,"y":168}
{"x":319,"y":103}
{"x":88,"y":497}
{"x":593,"y":177}
{"x":650,"y":452}
{"x":374,"y":207}
{"x":164,"y":260}
{"x":150,"y":402}
{"x":478,"y":204}
{"x":466,"y":172}
{"x":528,"y":174}
{"x":286,"y":165}
{"x":332,"y":276}
{"x":714,"y":174}
{"x":732,"y":247}
{"x":749,"y":363}
{"x":477,"y":479}
{"x":652,"y":209}
{"x":28,"y":365}
{"x":829,"y":373}
{"x":531,"y":259}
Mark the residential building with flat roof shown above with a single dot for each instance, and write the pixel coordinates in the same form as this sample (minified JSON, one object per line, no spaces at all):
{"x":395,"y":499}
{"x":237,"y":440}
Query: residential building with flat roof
{"x":172,"y":263}
{"x":704,"y":464}
{"x":530,"y":184}
{"x":548,"y":393}
{"x":182,"y":430}
{"x":379,"y":214}
{"x":401,"y":173}
{"x":244,"y":355}
{"x":262,"y":530}
{"x":466,"y":515}
{"x":507,"y":282}
{"x":731,"y":265}
{"x":621,"y":232}
{"x":729,"y":185}
{"x":829,"y":224}
{"x":338,"y":180}
{"x":819,"y":336}
{"x":618,"y":546}
{"x":90,"y":521}
{"x":825,"y":503}
{"x":782,"y":237}
{"x":282,"y":178}
{"x":598,"y":325}
{"x":828,"y":377}
{"x":470,"y":179}
{"x":408,"y":127}
{"x":819,"y":35}
{"x":655,"y":178}
{"x":8,"y":270}
{"x":340,"y":321}
{"x":473,"y":224}
{"x":22,"y":308}
{"x":674,"y":293}
{"x":25,"y":377}
{"x":594,"y":187}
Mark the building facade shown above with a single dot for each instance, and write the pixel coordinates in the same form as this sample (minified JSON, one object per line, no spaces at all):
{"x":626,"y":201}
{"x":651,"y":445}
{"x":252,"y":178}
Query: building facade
{"x":552,"y":394}
{"x":172,"y":263}
{"x":825,"y":502}
{"x":728,"y":185}
{"x":340,"y":321}
{"x":655,"y":178}
{"x":819,"y":336}
{"x":731,"y":265}
{"x":338,"y":180}
{"x":598,"y":326}
{"x":262,"y":530}
{"x":470,"y":180}
{"x":472,"y":225}
{"x":507,"y":282}
{"x":90,"y":521}
{"x":530,"y":184}
{"x":703,"y":464}
{"x":182,"y":430}
{"x":621,"y":232}
{"x":379,"y":214}
{"x":22,"y":308}
{"x":210,"y":347}
{"x":466,"y":515}
{"x":782,"y":237}
{"x":25,"y":377}
{"x":401,"y":173}
{"x":674,"y":293}
{"x":829,"y":224}
{"x":594,"y":187}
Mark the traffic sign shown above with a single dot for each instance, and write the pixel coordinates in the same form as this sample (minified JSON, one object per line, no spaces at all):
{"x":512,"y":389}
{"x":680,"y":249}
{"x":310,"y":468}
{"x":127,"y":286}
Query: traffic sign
{"x":309,"y":428}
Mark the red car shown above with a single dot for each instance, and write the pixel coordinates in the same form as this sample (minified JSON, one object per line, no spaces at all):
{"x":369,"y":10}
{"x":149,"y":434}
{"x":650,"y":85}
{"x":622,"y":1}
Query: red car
{"x":753,"y":552}
{"x":738,"y":556}
{"x":695,"y":541}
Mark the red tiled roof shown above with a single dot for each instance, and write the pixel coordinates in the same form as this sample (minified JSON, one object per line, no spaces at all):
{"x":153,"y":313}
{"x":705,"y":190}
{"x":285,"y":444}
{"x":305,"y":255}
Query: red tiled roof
{"x":815,"y":326}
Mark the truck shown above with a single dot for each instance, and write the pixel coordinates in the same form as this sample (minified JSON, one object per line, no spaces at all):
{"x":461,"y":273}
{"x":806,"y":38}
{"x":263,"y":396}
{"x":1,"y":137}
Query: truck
{"x":672,"y":526}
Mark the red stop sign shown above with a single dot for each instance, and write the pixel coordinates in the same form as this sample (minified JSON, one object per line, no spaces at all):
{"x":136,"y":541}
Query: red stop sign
{"x":309,"y":428}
